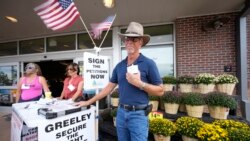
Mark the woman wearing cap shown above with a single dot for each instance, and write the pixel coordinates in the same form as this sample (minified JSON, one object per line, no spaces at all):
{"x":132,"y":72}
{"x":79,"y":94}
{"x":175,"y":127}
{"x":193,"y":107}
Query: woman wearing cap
{"x":73,"y":84}
{"x":30,"y":87}
{"x":137,"y":76}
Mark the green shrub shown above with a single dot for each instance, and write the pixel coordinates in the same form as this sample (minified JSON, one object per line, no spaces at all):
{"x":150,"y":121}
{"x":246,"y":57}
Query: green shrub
{"x":171,"y":97}
{"x":115,"y":94}
{"x":153,"y":98}
{"x":220,"y":99}
{"x":185,"y":79}
{"x":193,"y":99}
{"x":169,"y":80}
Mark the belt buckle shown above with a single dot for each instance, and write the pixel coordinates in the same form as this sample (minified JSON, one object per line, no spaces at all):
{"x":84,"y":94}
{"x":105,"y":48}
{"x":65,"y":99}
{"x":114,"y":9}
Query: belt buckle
{"x":133,"y":107}
{"x":126,"y":107}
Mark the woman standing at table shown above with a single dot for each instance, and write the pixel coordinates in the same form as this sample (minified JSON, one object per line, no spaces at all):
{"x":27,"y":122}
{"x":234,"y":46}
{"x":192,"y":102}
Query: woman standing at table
{"x":73,"y":84}
{"x":31,"y":86}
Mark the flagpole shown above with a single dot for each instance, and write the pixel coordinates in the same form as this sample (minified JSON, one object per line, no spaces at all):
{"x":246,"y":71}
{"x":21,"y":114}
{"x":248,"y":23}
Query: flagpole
{"x":87,"y":31}
{"x":106,"y":33}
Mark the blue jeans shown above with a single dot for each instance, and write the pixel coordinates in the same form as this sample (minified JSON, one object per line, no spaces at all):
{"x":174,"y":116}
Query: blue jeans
{"x":131,"y":125}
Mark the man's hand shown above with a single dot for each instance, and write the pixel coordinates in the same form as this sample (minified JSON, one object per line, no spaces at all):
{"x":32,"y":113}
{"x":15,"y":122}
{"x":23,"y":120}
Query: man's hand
{"x":134,"y":78}
{"x":81,"y":104}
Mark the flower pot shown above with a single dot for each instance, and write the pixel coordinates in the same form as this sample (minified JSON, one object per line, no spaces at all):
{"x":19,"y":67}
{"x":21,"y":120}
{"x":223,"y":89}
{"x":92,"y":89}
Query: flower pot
{"x":155,"y":105}
{"x":114,"y":121}
{"x":218,"y":112}
{"x":161,"y":104}
{"x":186,"y":88}
{"x":114,"y":101}
{"x":171,"y":108}
{"x":204,"y":88}
{"x":182,"y":108}
{"x":168,"y":87}
{"x":186,"y":138}
{"x":195,"y":111}
{"x":226,"y":88}
{"x":161,"y":138}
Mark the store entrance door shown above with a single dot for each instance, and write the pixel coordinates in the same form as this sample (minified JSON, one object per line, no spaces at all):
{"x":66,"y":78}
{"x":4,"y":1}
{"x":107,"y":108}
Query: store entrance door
{"x":54,"y":73}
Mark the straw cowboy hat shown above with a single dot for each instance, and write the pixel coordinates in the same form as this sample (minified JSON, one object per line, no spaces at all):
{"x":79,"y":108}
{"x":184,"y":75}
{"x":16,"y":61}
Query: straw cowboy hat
{"x":135,"y":30}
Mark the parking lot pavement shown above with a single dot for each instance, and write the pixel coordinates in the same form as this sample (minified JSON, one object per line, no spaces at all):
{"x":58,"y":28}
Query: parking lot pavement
{"x":5,"y":126}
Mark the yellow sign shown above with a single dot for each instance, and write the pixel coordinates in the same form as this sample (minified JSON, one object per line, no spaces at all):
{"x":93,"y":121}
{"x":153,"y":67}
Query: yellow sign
{"x":153,"y":115}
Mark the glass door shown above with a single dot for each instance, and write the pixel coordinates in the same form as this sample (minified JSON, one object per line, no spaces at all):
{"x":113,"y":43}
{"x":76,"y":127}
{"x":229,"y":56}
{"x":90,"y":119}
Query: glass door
{"x":9,"y":77}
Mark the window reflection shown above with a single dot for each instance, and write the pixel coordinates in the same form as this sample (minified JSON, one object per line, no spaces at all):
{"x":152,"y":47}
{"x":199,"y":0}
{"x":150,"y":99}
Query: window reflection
{"x":84,"y":41}
{"x":32,"y":46}
{"x":9,"y":48}
{"x":8,"y":75}
{"x":61,"y":43}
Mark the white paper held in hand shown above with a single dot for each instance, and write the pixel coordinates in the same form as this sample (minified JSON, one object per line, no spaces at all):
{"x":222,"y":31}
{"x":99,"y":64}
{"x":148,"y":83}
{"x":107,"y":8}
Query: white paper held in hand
{"x":133,"y":69}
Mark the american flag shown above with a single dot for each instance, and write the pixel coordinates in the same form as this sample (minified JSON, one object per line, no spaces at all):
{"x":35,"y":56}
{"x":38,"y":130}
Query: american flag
{"x":57,"y":14}
{"x":97,"y":29}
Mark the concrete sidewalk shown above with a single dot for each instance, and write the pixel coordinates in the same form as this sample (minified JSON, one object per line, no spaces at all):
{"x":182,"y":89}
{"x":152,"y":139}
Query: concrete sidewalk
{"x":5,"y":126}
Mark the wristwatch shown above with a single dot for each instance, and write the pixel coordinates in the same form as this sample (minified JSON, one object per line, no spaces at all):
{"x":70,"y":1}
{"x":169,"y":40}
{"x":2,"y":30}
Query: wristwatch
{"x":142,"y":85}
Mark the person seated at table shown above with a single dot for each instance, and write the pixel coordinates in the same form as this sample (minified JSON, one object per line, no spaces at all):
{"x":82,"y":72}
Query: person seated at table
{"x":73,"y":84}
{"x":31,"y":85}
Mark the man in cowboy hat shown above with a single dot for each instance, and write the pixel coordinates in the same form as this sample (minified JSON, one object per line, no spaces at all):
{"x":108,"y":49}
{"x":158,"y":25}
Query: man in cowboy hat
{"x":137,"y":76}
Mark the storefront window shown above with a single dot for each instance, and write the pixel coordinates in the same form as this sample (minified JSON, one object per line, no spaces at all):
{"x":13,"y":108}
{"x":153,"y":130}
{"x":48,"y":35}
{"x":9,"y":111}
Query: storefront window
{"x":61,"y":43}
{"x":9,"y":48}
{"x":159,"y":34}
{"x":31,"y":46}
{"x":84,"y":41}
{"x":161,"y":54}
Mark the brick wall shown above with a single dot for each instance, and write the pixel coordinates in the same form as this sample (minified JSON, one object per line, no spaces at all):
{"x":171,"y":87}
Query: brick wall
{"x":208,"y":51}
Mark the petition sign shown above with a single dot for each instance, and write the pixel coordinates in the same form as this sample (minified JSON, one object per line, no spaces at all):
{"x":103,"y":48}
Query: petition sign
{"x":96,"y":71}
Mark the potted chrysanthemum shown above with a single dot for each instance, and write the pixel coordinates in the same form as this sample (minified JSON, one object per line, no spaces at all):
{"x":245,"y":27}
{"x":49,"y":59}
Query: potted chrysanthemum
{"x":205,"y":82}
{"x":226,"y":83}
{"x":219,"y":104}
{"x":226,"y":124}
{"x":113,"y":113}
{"x":168,"y":82}
{"x":211,"y":132}
{"x":154,"y":100}
{"x":185,"y":83}
{"x":115,"y":98}
{"x":171,"y":101}
{"x":236,"y":129}
{"x":188,"y":127}
{"x":194,"y":104}
{"x":235,"y":134}
{"x":162,"y":129}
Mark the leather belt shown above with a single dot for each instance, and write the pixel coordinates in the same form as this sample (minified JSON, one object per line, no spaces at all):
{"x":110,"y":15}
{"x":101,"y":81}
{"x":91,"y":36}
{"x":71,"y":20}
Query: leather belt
{"x":133,"y":107}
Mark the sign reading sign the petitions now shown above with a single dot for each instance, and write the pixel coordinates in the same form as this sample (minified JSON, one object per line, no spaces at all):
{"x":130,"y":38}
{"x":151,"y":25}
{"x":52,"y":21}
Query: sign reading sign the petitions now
{"x":96,"y":71}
